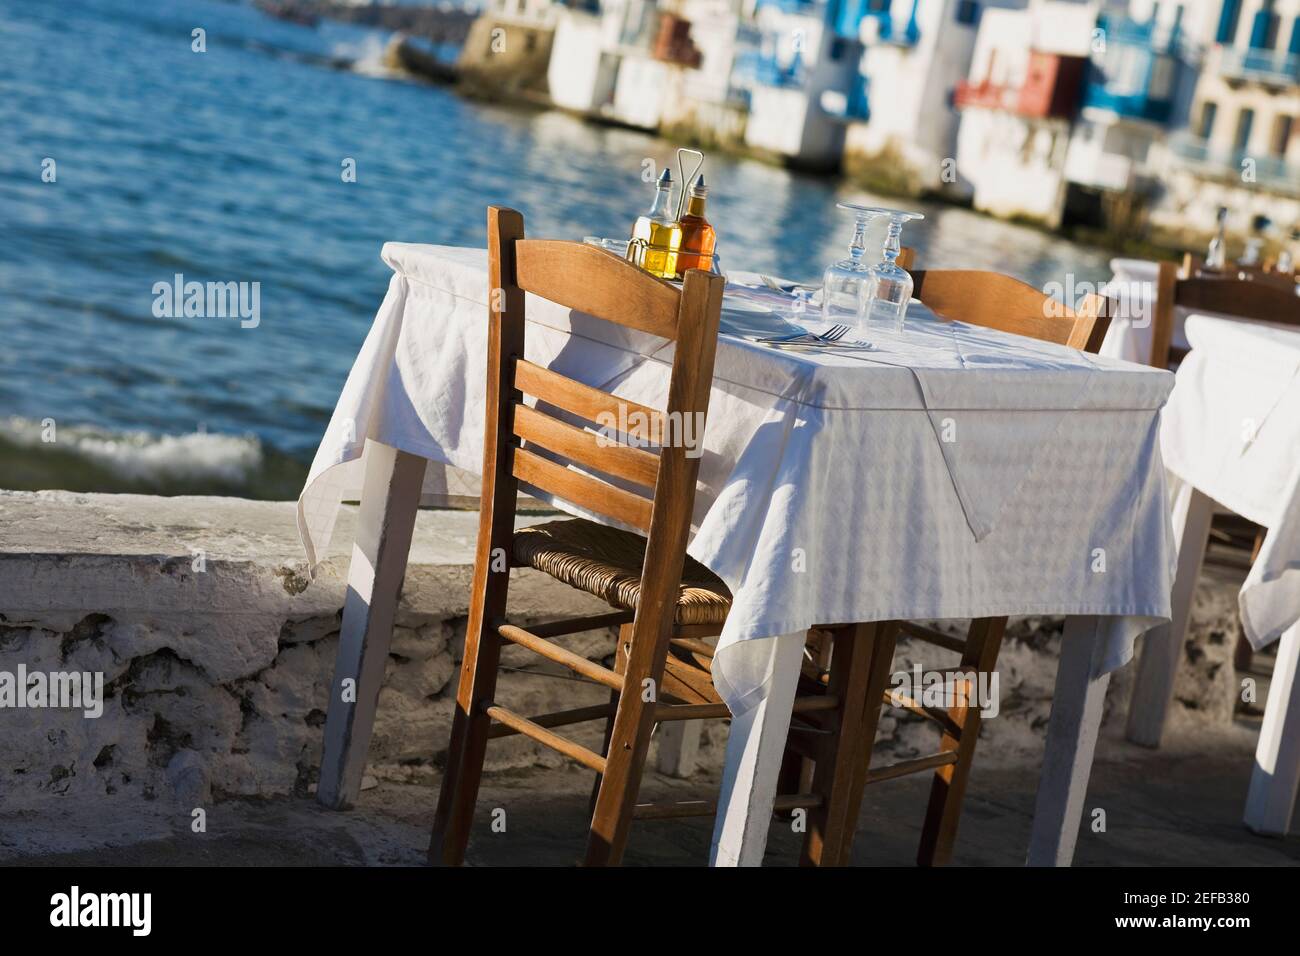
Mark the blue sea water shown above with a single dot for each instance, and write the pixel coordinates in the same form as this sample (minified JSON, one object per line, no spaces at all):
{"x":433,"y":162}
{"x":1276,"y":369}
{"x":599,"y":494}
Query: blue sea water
{"x":225,"y":166}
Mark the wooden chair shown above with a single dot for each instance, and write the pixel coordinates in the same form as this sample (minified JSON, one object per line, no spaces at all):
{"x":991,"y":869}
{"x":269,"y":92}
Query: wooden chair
{"x":1258,"y":301}
{"x":1194,"y":268}
{"x":999,"y":302}
{"x":660,"y":599}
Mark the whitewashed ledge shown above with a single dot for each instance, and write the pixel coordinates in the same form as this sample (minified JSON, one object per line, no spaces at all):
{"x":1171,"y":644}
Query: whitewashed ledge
{"x":216,"y":679}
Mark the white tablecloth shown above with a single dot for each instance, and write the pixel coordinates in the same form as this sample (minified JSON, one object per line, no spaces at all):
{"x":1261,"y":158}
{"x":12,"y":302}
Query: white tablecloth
{"x":1133,"y":288}
{"x":1232,"y":430}
{"x":954,"y":472}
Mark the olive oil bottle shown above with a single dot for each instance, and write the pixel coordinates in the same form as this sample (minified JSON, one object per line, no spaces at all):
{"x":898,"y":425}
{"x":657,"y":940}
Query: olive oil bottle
{"x":698,"y":237}
{"x":659,"y":232}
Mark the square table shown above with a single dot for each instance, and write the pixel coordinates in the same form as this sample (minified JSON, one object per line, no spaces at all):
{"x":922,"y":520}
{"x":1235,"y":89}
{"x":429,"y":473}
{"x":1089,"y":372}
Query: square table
{"x":1231,"y":436}
{"x":951,"y":472}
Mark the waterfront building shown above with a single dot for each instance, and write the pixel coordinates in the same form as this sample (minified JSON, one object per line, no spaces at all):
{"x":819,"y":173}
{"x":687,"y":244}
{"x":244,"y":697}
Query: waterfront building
{"x":1143,"y":63}
{"x":635,"y":63}
{"x":902,"y":123}
{"x":798,"y":75}
{"x":588,"y":46}
{"x":1241,"y":146}
{"x":1018,"y":107}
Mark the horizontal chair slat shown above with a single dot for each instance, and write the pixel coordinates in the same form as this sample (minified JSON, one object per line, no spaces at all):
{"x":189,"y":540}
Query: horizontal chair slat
{"x":588,"y":758}
{"x":940,"y":717}
{"x":931,"y":636}
{"x":592,"y":404}
{"x":807,"y":705}
{"x":695,"y":646}
{"x":670,"y":712}
{"x":576,"y":625}
{"x":583,"y":490}
{"x":707,"y":808}
{"x":610,"y":288}
{"x":586,"y":448}
{"x":561,"y":655}
{"x":560,"y":718}
{"x":902,"y":769}
{"x":802,"y":705}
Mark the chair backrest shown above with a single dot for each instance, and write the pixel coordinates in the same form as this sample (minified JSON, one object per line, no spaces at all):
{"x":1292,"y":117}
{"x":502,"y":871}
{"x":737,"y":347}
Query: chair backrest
{"x":1194,"y":267}
{"x":1248,"y":299}
{"x":600,"y":284}
{"x":998,"y":301}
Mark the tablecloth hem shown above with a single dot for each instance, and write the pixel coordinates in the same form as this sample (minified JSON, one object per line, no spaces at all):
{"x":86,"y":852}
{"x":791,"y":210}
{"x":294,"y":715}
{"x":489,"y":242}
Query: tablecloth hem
{"x":1158,"y":614}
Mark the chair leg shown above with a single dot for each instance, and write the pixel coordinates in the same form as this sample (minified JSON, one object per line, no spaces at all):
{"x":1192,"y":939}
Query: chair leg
{"x":620,"y":666}
{"x":793,"y":778}
{"x":1243,"y":655}
{"x":629,"y":744}
{"x":469,"y":726}
{"x":983,"y":641}
{"x":859,"y":672}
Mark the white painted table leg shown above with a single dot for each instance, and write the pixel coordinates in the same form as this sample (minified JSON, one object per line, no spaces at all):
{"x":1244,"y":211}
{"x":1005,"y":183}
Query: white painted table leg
{"x":1071,"y":740}
{"x":389,"y":499}
{"x":1276,"y":777}
{"x":754,"y":750}
{"x":1162,"y":647}
{"x":679,"y":747}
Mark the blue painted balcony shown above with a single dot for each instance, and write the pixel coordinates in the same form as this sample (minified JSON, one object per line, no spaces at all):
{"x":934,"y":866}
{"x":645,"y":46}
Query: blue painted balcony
{"x":792,"y":6}
{"x":847,"y":16}
{"x":761,"y":68}
{"x":1270,"y":67}
{"x":1271,"y":172}
{"x":1136,"y":75}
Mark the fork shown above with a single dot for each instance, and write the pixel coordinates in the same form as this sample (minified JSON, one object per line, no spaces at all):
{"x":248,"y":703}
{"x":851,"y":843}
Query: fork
{"x":833,"y":334}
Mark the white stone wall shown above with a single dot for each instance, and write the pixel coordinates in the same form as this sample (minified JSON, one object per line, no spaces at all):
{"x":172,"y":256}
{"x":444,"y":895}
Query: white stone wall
{"x":217,"y":670}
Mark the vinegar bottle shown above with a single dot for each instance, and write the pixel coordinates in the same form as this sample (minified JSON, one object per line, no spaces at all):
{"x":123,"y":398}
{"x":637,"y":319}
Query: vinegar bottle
{"x":660,"y":232}
{"x":698,"y":237}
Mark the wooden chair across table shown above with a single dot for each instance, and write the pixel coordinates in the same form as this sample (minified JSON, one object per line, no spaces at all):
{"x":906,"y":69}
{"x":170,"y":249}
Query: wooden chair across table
{"x":1256,"y":300}
{"x":1194,"y":267}
{"x":999,"y":302}
{"x":665,"y":604}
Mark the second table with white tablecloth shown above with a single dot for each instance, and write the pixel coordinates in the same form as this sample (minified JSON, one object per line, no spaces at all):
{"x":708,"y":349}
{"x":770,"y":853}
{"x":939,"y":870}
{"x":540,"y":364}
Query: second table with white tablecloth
{"x":1231,"y":436}
{"x":950,"y":472}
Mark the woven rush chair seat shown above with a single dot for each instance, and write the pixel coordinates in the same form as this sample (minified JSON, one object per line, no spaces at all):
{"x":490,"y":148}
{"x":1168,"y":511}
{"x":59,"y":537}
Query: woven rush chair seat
{"x":607,"y":562}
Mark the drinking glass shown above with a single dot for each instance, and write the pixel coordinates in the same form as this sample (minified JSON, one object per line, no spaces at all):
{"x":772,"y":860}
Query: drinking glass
{"x":844,"y":280}
{"x":889,"y":287}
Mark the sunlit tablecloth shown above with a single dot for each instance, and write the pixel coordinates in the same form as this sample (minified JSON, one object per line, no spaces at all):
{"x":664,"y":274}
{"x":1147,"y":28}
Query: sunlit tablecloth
{"x":953,"y":472}
{"x":1232,"y":430}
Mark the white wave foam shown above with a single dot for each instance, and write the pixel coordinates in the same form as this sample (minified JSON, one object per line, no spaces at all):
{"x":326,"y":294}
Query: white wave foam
{"x":143,"y":456}
{"x":368,"y":57}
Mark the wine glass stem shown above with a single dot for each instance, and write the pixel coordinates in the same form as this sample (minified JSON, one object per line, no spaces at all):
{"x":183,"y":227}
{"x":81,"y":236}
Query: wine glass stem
{"x":893,"y":245}
{"x":859,"y":243}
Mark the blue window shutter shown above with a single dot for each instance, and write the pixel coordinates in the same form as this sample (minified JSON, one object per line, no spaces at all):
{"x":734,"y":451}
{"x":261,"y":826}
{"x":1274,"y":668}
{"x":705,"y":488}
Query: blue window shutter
{"x":1259,"y":30}
{"x":1293,"y":45}
{"x":1227,"y":21}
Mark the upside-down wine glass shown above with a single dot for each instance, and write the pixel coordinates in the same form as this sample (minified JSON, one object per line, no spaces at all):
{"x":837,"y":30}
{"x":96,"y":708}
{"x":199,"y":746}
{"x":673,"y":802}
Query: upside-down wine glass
{"x":843,"y":281}
{"x":889,"y":286}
